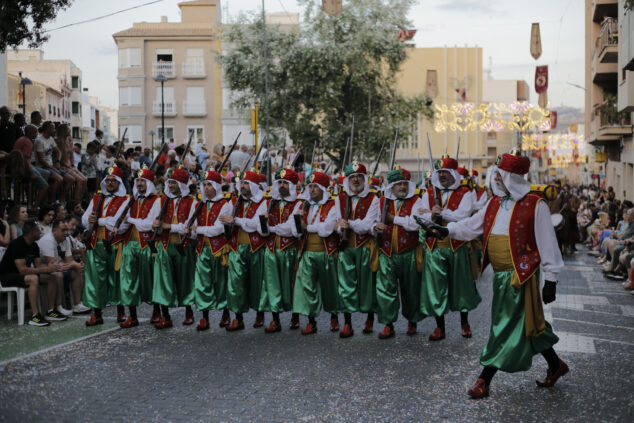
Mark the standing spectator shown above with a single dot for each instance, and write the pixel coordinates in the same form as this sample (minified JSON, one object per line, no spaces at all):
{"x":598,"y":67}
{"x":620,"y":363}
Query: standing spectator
{"x":44,"y":151}
{"x":98,"y":137}
{"x":90,"y":166}
{"x":202,"y":155}
{"x":37,"y":176}
{"x":65,"y":145}
{"x":9,"y":132}
{"x":146,"y":157}
{"x":36,"y":118}
{"x":77,"y":155}
{"x":238,"y":157}
{"x":17,"y":217}
{"x":45,"y":217}
{"x":106,"y":160}
{"x":135,"y":164}
{"x":20,"y":122}
{"x":21,"y":265}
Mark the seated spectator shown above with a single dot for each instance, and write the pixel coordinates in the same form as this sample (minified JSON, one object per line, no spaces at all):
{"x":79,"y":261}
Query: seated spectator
{"x":617,"y":245}
{"x":20,"y":122}
{"x":90,"y":167}
{"x":36,"y":118}
{"x":77,"y":155}
{"x":21,"y":266}
{"x":73,"y":207}
{"x":66,"y":162}
{"x":45,"y":150}
{"x":45,"y":216}
{"x":60,"y":211}
{"x":37,"y":176}
{"x":5,"y":230}
{"x":55,"y":248}
{"x":17,"y":216}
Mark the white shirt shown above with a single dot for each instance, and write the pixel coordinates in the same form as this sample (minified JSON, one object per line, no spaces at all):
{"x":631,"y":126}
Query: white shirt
{"x":108,"y":222}
{"x":551,"y":260}
{"x":361,"y":226}
{"x":48,"y":247}
{"x":145,"y":225}
{"x":43,"y":145}
{"x":287,"y":228}
{"x":218,"y":227}
{"x":462,"y":212}
{"x":253,"y":224}
{"x":323,"y":229}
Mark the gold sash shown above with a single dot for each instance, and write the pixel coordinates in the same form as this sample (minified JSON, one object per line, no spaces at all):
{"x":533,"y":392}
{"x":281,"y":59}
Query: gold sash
{"x":134,"y":234}
{"x":500,"y":256}
{"x":315,"y":243}
{"x":243,"y":237}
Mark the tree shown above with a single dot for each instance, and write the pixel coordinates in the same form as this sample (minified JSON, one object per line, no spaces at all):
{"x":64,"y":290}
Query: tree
{"x":328,"y":71}
{"x":23,"y":21}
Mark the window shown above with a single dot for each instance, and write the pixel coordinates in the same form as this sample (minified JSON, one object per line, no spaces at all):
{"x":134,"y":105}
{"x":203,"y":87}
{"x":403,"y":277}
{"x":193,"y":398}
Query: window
{"x":75,"y":82}
{"x":130,"y":58}
{"x":134,"y":134}
{"x":169,"y":133}
{"x":50,"y":110}
{"x":75,"y":106}
{"x":199,"y":133}
{"x":168,"y":94}
{"x":164,"y":55}
{"x":75,"y":131}
{"x":130,"y":96}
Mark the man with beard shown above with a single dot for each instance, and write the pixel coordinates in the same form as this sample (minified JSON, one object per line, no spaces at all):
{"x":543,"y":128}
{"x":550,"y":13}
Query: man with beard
{"x":447,"y":277}
{"x":136,"y":259}
{"x":210,"y":280}
{"x":357,"y":288}
{"x":246,"y":260}
{"x":518,"y":238}
{"x":316,"y":283}
{"x":281,"y":255}
{"x":398,"y":254}
{"x":102,"y":281}
{"x":173,"y":269}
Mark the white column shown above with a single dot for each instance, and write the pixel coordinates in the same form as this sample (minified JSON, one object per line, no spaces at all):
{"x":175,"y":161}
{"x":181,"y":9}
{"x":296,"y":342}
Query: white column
{"x":4,"y":80}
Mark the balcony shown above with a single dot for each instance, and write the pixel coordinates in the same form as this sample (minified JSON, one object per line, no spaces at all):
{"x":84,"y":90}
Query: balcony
{"x":601,"y":8}
{"x":604,"y":74}
{"x":194,"y":108}
{"x":193,"y":69}
{"x":608,"y":42}
{"x":166,"y":68}
{"x":608,"y":125}
{"x":170,"y":108}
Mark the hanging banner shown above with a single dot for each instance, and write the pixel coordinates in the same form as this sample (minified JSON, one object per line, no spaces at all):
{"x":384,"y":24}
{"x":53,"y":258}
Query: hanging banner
{"x":573,"y":127}
{"x":541,"y":79}
{"x":331,"y":7}
{"x":406,"y":34}
{"x":536,"y":41}
{"x":431,"y":87}
{"x":553,"y":119}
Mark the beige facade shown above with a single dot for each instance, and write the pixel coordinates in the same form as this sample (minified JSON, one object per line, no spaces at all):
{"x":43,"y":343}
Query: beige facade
{"x":610,"y":91}
{"x":184,"y":52}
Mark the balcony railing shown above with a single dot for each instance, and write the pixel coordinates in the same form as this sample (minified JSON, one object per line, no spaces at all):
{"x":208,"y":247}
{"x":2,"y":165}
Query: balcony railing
{"x":166,"y":68}
{"x":194,"y":108}
{"x":194,"y":69}
{"x":607,"y":43}
{"x":170,"y":108}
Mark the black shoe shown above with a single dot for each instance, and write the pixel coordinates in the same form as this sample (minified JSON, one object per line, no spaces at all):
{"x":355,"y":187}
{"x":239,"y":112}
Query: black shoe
{"x":56,"y":316}
{"x":38,"y":320}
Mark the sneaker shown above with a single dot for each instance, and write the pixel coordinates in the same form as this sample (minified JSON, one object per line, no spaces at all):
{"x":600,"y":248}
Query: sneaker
{"x":38,"y":320}
{"x":64,"y":312}
{"x":55,"y":316}
{"x":80,"y":308}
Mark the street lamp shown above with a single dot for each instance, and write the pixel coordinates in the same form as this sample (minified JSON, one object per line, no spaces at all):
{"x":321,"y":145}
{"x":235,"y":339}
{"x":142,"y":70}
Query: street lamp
{"x":151,"y":133}
{"x":24,"y":82}
{"x":162,"y":78}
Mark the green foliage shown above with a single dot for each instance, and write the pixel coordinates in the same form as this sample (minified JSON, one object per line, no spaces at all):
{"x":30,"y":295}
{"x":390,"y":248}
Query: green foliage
{"x":23,"y":21}
{"x":323,"y":73}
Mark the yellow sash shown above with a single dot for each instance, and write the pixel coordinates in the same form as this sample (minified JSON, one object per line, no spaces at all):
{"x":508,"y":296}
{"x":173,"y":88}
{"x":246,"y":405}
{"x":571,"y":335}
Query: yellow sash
{"x":500,"y":256}
{"x":243,"y":237}
{"x":315,"y":243}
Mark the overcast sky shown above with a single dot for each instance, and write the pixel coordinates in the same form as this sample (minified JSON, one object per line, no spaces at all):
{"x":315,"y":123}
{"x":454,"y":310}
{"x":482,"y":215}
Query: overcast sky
{"x":500,"y":27}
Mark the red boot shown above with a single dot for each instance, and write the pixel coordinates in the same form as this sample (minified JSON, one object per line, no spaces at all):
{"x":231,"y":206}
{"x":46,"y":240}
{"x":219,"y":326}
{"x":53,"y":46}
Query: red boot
{"x":225,"y":320}
{"x":203,"y":324}
{"x":347,"y":331}
{"x":437,"y":335}
{"x":368,"y":326}
{"x":130,"y":323}
{"x":310,"y":329}
{"x":466,"y":331}
{"x":479,"y":390}
{"x":94,"y":320}
{"x":294,"y":322}
{"x":235,"y":325}
{"x":189,"y":318}
{"x":411,"y":329}
{"x":259,"y":320}
{"x":388,"y":332}
{"x":334,"y":324}
{"x":551,"y":379}
{"x":273,"y":327}
{"x":163,"y":324}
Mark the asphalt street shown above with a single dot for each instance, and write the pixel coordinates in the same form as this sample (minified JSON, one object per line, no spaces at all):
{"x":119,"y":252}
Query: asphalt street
{"x":179,"y":374}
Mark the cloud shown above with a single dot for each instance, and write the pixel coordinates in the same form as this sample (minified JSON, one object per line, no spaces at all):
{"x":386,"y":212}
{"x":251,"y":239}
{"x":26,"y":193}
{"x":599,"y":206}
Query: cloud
{"x":471,"y":6}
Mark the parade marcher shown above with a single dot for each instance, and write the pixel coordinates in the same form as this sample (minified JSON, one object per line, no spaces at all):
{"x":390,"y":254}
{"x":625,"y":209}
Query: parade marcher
{"x":136,"y":259}
{"x":448,"y":282}
{"x":398,"y":254}
{"x":316,"y":283}
{"x":210,"y":281}
{"x":357,"y":287}
{"x":246,"y":258}
{"x":101,"y":280}
{"x":480,"y":192}
{"x":173,"y":269}
{"x":518,"y":238}
{"x":281,"y":255}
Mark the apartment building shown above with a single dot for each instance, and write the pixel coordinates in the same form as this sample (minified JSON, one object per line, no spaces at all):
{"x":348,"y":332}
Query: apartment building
{"x":183,"y":53}
{"x":610,"y":91}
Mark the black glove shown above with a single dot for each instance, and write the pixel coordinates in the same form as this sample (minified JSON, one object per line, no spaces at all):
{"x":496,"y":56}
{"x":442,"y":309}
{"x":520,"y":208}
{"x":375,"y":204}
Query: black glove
{"x":437,"y":231}
{"x":548,"y":291}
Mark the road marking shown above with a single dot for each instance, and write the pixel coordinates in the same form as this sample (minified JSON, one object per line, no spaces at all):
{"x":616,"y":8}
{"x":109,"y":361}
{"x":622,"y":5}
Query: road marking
{"x":572,"y":342}
{"x":593,"y":323}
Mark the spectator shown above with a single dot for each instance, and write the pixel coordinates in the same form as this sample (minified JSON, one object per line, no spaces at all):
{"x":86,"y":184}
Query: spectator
{"x":66,"y":161}
{"x":146,"y":158}
{"x":135,"y":163}
{"x":55,"y":248}
{"x":44,"y":151}
{"x":45,"y":217}
{"x":9,"y":132}
{"x":106,"y":160}
{"x":238,"y":156}
{"x":5,"y":230}
{"x":17,"y":217}
{"x":75,"y":230}
{"x":77,"y":155}
{"x":36,"y":118}
{"x":35,"y":175}
{"x":98,"y":137}
{"x":90,"y":166}
{"x":21,"y":266}
{"x":202,"y":155}
{"x":20,"y":122}
{"x":60,"y":211}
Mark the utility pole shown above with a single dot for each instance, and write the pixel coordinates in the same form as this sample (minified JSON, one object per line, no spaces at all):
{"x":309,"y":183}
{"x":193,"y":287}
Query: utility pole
{"x":266,"y":76}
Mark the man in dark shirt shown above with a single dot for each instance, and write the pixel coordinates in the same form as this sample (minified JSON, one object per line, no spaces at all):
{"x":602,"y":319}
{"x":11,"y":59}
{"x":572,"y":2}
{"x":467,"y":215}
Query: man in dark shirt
{"x":8,"y":131}
{"x":21,"y":266}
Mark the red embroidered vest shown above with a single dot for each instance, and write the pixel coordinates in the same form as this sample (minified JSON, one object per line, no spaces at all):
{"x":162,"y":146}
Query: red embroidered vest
{"x":522,"y":241}
{"x":182,"y":214}
{"x":479,"y":192}
{"x":142,"y":213}
{"x":255,"y":239}
{"x":452,"y":204}
{"x":277,"y":216}
{"x":359,"y":212}
{"x":208,"y":217}
{"x":113,"y":208}
{"x":406,"y":240}
{"x":331,"y":242}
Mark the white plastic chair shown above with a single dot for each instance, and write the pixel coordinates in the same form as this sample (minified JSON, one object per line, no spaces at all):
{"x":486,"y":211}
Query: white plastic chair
{"x":20,"y":294}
